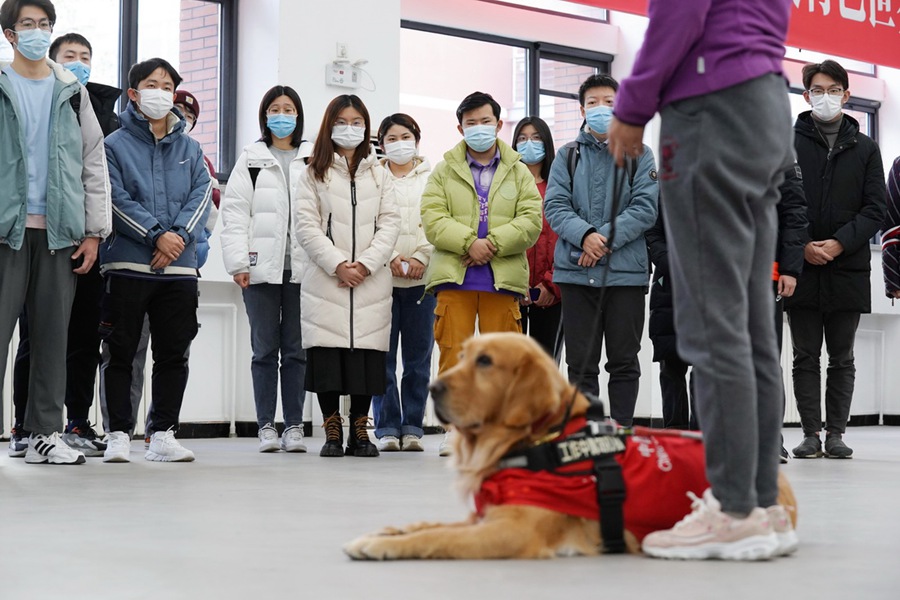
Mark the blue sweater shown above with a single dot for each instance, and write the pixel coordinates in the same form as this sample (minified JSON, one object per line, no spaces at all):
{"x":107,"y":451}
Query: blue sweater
{"x":157,"y":186}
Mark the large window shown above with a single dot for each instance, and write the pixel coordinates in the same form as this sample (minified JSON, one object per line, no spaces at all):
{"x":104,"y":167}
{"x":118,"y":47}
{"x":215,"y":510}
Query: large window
{"x":98,"y":21}
{"x":526,"y":78}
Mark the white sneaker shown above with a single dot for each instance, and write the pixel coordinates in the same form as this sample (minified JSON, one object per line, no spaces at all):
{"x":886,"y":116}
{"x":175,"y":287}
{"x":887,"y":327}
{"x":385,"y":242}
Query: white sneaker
{"x":446,"y":444}
{"x":50,"y":449}
{"x":389,"y":443}
{"x":292,"y":439}
{"x":165,"y":448}
{"x":412,"y":443}
{"x":118,"y":447}
{"x":268,"y":438}
{"x":784,"y":530}
{"x":707,"y":532}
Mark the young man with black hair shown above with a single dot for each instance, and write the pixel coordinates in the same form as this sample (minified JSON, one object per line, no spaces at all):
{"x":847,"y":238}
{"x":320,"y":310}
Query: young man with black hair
{"x":54,"y":209}
{"x":844,"y":182}
{"x":588,"y":266}
{"x":74,"y":52}
{"x":161,"y":198}
{"x":481,"y":210}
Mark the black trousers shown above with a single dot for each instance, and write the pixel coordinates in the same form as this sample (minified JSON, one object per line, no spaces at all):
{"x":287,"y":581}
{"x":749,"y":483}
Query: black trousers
{"x":619,"y":321}
{"x":171,"y":306}
{"x":677,"y":391}
{"x":82,"y":351}
{"x":838,"y":329}
{"x":543,"y":325}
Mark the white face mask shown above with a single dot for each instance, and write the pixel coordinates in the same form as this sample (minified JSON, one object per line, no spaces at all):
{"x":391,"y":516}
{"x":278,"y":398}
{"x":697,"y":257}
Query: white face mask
{"x":347,"y":136}
{"x":155,"y":104}
{"x":826,"y":107}
{"x":400,"y":152}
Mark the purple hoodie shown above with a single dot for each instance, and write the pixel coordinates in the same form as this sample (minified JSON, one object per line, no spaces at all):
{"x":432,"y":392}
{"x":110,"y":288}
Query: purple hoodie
{"x":695,"y":47}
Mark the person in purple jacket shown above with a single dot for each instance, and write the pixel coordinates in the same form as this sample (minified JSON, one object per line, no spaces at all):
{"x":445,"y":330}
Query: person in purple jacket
{"x":713,"y":69}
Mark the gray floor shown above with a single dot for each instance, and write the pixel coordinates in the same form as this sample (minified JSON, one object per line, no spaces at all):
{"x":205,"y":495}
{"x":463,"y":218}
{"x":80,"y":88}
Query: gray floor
{"x":238,"y":524}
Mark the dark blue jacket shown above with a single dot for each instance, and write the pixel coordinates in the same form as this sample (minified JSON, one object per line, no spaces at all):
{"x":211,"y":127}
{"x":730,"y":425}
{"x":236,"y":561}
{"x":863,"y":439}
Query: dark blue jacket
{"x":157,"y":186}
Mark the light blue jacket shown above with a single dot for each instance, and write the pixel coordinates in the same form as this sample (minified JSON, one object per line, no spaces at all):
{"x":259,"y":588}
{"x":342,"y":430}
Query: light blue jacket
{"x":157,"y":186}
{"x":573,"y":211}
{"x":77,"y":184}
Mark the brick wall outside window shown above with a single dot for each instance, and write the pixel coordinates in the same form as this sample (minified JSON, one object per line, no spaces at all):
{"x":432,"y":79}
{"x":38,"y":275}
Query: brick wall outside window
{"x":199,"y":66}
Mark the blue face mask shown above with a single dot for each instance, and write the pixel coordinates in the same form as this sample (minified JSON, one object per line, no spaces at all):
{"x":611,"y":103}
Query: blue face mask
{"x":79,"y":70}
{"x":598,"y":118}
{"x":480,"y":138}
{"x":532,"y":152}
{"x":281,"y":126}
{"x":33,"y":44}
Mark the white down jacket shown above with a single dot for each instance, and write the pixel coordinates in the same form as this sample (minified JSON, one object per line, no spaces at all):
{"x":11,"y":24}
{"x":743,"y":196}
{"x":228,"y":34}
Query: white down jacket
{"x":333,"y":230}
{"x":255,"y":221}
{"x":408,"y":194}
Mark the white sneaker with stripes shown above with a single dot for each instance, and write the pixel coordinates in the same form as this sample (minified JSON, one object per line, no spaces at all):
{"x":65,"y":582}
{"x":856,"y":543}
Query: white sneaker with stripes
{"x":50,"y":449}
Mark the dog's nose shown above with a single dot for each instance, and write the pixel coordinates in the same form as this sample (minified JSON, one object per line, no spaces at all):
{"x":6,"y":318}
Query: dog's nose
{"x":437,"y":388}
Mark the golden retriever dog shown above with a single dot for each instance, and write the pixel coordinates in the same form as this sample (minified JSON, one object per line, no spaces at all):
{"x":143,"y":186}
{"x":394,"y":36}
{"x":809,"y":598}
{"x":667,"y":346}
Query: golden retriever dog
{"x":506,"y":393}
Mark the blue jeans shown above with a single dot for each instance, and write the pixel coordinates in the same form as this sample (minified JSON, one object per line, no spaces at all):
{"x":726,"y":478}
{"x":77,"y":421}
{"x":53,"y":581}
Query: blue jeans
{"x":412,"y":318}
{"x":274,"y":313}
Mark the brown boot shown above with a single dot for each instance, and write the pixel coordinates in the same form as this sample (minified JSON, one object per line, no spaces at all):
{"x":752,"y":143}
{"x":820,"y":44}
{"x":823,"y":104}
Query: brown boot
{"x":334,"y":436}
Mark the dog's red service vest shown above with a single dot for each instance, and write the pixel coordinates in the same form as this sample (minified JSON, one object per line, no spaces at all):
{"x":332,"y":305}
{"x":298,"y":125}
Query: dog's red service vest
{"x":658,"y":473}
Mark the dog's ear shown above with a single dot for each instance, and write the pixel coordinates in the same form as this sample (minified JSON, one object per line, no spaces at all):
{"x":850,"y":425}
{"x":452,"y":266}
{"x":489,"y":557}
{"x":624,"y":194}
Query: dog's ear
{"x":537,"y":390}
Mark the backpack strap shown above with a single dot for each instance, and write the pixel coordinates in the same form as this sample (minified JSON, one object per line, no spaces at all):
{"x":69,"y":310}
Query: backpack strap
{"x":75,"y":102}
{"x":573,"y":152}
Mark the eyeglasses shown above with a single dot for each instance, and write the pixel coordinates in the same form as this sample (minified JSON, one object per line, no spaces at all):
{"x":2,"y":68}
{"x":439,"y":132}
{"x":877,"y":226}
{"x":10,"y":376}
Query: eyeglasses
{"x":534,"y":137}
{"x":31,"y":24}
{"x":819,"y":92}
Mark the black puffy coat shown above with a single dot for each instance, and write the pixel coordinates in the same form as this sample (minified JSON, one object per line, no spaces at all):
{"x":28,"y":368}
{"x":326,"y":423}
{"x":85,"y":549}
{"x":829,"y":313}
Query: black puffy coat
{"x":792,"y":237}
{"x":845,"y":197}
{"x":103,"y":101}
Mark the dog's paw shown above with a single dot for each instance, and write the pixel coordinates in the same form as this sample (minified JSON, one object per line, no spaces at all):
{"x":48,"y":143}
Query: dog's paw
{"x":369,"y":547}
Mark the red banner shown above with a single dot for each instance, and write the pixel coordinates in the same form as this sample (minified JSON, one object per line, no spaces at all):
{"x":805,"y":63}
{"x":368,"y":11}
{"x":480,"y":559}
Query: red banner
{"x":866,"y":30}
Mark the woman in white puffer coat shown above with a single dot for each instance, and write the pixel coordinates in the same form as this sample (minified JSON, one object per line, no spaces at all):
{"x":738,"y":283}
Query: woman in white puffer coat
{"x":398,"y":417}
{"x":346,"y":220}
{"x":260,"y":254}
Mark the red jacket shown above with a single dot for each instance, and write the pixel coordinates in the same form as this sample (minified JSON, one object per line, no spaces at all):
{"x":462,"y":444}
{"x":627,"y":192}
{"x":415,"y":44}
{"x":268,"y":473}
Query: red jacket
{"x":658,"y":473}
{"x":540,"y":256}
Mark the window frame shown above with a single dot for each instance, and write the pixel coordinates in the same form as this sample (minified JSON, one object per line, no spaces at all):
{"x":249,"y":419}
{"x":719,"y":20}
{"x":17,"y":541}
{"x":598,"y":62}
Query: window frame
{"x":534,"y":52}
{"x":228,"y":60}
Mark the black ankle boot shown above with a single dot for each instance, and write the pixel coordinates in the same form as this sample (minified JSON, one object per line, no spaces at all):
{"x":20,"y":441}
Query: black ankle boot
{"x":359,"y":443}
{"x":334,"y":436}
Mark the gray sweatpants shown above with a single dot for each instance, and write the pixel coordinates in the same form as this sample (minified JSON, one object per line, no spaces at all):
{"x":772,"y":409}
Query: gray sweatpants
{"x":723,"y":155}
{"x":43,"y":282}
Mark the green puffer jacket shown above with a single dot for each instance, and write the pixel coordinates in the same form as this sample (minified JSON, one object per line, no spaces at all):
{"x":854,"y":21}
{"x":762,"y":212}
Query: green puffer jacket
{"x":450,"y":212}
{"x":78,"y":193}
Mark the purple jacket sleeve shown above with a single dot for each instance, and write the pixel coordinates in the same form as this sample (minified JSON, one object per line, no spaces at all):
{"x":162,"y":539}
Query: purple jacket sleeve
{"x":673,"y":30}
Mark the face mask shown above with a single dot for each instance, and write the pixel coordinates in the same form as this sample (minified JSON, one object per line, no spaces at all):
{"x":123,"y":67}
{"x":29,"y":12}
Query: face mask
{"x":480,"y":138}
{"x":400,"y":152}
{"x":33,"y":44}
{"x":79,"y":70}
{"x":347,"y":136}
{"x":826,"y":107}
{"x":598,"y":118}
{"x":532,"y":152}
{"x":156,"y":104}
{"x":281,"y":126}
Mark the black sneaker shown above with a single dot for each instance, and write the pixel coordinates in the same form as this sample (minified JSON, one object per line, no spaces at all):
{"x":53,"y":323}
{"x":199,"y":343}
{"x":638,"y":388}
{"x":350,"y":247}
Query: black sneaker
{"x":810,"y":447}
{"x":83,"y":438}
{"x":18,"y":442}
{"x":836,"y":448}
{"x":784,"y":456}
